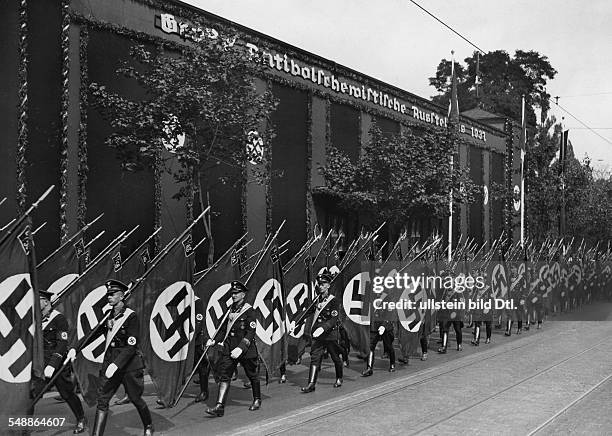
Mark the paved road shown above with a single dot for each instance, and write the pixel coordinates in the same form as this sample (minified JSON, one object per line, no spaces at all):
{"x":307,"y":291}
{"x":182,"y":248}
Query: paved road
{"x":557,"y":380}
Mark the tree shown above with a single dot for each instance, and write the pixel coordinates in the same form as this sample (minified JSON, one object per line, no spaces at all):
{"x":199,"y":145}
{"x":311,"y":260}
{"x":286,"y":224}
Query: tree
{"x":399,"y":177}
{"x":544,"y":181}
{"x":504,"y":79}
{"x":200,"y":102}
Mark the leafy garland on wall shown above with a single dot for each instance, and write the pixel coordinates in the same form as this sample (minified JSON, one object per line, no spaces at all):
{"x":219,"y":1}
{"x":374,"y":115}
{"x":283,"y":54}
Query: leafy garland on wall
{"x":64,"y":104}
{"x":268,"y":156}
{"x":508,"y":206}
{"x":22,"y":122}
{"x":484,"y":206}
{"x":83,"y":169}
{"x":328,"y":125}
{"x":157,"y":200}
{"x":308,"y":172}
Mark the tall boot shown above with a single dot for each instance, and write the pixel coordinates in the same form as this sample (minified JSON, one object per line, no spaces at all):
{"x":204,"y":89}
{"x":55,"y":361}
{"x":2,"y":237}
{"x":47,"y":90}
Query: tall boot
{"x":203,"y":395}
{"x":392,"y":359}
{"x":77,"y":408}
{"x":508,"y":328}
{"x":519,"y":327}
{"x":145,"y":417}
{"x":256,"y":387}
{"x":442,"y":349}
{"x":99,"y":423}
{"x":339,"y":374}
{"x":370,"y":366}
{"x":219,"y":409}
{"x":312,"y":379}
{"x":476,"y":340}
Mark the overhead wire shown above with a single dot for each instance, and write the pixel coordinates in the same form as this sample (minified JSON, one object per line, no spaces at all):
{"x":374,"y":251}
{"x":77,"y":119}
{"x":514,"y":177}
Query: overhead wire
{"x":482,"y":51}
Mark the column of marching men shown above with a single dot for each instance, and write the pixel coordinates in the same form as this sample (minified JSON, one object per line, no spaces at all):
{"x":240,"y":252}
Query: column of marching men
{"x":109,"y":320}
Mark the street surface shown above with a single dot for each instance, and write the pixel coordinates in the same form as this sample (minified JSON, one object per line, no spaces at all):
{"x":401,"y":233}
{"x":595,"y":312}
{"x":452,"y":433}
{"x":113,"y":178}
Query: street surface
{"x":557,"y":380}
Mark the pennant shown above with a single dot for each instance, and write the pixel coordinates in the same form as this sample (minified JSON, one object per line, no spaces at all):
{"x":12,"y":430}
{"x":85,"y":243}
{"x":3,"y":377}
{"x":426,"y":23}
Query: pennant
{"x":58,"y":271}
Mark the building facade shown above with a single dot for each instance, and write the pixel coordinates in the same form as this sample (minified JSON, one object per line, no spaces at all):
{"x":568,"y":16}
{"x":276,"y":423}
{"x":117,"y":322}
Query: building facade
{"x":52,"y":50}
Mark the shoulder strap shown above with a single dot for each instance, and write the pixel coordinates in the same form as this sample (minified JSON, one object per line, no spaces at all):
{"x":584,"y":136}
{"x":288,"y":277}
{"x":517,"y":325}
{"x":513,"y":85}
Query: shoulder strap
{"x":50,"y":318}
{"x":319,"y":310}
{"x":116,"y":326}
{"x":230,"y":324}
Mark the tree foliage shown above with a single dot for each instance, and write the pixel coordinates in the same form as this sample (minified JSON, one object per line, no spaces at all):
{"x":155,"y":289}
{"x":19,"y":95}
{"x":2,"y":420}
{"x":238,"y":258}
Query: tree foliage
{"x":544,"y":188}
{"x":205,"y":92}
{"x":504,"y":79}
{"x":399,"y":177}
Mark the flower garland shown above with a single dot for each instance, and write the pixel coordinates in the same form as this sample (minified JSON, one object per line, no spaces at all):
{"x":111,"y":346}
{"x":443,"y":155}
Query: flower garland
{"x":22,"y":122}
{"x":83,"y":168}
{"x":64,"y":102}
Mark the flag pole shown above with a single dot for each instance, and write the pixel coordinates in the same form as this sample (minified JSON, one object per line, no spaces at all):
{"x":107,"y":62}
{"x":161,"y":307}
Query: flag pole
{"x":39,"y":228}
{"x":197,"y":365}
{"x":523,"y":152}
{"x":133,"y":253}
{"x":264,"y":252}
{"x":26,"y":214}
{"x":118,"y":240}
{"x":72,"y":238}
{"x":451,"y":125}
{"x":214,"y":265}
{"x":127,"y":295}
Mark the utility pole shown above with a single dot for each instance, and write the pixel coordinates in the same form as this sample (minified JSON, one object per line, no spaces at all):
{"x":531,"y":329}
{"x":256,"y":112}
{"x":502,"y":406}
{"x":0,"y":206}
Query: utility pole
{"x":562,"y":153}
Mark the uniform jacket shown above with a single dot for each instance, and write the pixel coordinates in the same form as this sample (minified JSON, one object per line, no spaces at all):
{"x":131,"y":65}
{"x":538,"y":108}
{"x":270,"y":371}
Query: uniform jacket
{"x":200,"y":334}
{"x":326,"y":315}
{"x":122,"y":342}
{"x":55,"y":338}
{"x":379,"y":321}
{"x":238,"y":331}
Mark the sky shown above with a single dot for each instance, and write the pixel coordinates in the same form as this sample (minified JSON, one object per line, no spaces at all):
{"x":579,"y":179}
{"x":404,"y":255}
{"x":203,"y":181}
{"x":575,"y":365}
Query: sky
{"x":396,"y":42}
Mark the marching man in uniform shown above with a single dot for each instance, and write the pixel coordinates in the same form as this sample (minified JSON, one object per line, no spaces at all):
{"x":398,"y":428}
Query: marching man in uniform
{"x":238,"y":343}
{"x":200,"y":335}
{"x":381,"y":330}
{"x":55,"y":344}
{"x":123,"y":363}
{"x":325,"y":332}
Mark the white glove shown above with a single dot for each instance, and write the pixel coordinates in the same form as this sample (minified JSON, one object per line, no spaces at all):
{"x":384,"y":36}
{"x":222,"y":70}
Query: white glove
{"x":49,"y":370}
{"x":210,"y":342}
{"x":71,"y":354}
{"x":110,"y":370}
{"x":318,"y":332}
{"x":236,"y":352}
{"x":291,"y":327}
{"x":381,"y":330}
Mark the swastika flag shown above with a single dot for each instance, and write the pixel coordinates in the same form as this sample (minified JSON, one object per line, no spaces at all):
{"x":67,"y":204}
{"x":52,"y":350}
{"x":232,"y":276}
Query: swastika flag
{"x":20,"y":328}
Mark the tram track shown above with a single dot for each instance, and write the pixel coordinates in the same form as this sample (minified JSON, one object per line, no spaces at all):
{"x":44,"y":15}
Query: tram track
{"x":569,"y":406}
{"x":338,"y":405}
{"x":519,"y":383}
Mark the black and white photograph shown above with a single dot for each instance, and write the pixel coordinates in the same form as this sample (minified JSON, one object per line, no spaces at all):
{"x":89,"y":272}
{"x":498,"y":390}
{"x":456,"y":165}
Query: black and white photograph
{"x":262,"y":217}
